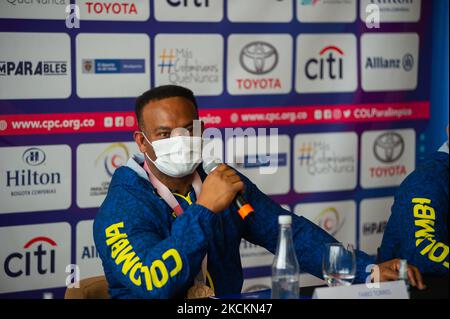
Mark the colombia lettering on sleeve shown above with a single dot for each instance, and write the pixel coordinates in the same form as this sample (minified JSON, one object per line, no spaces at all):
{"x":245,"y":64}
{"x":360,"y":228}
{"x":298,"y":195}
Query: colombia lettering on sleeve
{"x":425,"y":216}
{"x":122,"y":252}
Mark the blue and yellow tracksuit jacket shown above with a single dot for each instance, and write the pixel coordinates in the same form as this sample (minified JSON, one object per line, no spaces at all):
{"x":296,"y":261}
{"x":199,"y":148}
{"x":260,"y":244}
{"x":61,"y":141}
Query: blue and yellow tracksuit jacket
{"x":148,"y":252}
{"x":417,"y":229}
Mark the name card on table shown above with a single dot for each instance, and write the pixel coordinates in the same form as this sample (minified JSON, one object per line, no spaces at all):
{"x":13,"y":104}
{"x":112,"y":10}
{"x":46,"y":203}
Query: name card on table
{"x":384,"y":290}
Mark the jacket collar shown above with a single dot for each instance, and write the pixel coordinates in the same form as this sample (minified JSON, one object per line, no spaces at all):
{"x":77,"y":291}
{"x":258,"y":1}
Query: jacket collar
{"x":135,"y":163}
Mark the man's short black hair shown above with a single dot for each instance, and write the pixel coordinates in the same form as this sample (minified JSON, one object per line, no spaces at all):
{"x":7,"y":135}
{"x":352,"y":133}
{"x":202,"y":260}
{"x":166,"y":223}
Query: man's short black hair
{"x":160,"y":93}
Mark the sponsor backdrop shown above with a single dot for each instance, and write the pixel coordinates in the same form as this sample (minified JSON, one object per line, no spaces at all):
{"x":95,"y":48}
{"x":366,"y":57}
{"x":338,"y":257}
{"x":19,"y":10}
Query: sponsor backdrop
{"x":350,"y":102}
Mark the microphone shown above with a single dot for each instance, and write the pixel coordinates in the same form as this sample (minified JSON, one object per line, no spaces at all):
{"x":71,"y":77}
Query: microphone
{"x":245,"y":209}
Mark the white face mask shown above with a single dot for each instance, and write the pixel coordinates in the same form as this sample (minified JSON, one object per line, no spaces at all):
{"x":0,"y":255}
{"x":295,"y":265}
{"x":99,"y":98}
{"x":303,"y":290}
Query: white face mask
{"x":177,"y":156}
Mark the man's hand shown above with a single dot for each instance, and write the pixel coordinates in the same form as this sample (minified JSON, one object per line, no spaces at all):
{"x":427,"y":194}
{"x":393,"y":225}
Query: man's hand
{"x":388,"y":271}
{"x":220,"y":188}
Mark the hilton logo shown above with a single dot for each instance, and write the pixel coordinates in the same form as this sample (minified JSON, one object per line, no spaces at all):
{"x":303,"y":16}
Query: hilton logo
{"x":33,"y":156}
{"x":29,"y":177}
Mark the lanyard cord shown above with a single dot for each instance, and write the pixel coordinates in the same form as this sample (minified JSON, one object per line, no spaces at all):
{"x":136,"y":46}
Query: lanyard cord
{"x":170,"y":199}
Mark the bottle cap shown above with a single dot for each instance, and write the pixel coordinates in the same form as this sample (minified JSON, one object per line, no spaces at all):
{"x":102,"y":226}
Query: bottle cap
{"x":403,"y":269}
{"x":284,"y":219}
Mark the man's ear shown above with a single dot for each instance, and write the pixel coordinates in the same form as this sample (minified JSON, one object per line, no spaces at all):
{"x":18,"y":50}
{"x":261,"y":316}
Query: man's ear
{"x":140,"y":141}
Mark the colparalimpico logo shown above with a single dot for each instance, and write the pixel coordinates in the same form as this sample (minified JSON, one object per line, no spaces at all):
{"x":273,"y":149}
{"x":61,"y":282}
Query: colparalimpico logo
{"x":388,"y":147}
{"x":258,"y":58}
{"x":34,"y":156}
{"x":112,"y":157}
{"x":330,"y":220}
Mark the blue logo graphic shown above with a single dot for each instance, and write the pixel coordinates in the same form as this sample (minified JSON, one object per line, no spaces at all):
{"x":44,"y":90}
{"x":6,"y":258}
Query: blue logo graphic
{"x":260,"y":160}
{"x":113,"y":66}
{"x":34,"y":156}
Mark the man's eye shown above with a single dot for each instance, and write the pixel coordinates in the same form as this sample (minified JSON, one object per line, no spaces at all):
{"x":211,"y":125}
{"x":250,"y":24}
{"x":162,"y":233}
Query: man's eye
{"x":164,"y":134}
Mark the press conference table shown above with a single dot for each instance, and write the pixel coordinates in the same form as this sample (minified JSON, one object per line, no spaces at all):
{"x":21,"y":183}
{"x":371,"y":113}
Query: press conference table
{"x":437,"y":288}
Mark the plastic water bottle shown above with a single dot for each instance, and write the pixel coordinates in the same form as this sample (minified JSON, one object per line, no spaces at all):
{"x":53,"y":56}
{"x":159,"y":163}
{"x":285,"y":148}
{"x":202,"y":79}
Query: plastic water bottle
{"x":285,"y":269}
{"x":403,"y":273}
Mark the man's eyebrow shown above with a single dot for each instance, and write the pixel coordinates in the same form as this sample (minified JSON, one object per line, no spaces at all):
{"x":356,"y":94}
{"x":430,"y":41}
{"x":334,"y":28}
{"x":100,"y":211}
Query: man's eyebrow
{"x":163,"y":128}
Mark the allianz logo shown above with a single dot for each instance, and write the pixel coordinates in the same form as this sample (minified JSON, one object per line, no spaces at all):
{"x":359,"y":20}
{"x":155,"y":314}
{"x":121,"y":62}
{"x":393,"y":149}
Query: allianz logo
{"x":89,"y":252}
{"x":378,"y":62}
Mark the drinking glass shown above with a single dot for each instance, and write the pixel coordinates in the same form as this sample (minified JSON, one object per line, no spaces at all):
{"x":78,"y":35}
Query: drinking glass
{"x":339,"y":264}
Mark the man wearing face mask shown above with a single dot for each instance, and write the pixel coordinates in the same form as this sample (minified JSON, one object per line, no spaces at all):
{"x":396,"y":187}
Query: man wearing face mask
{"x":168,"y":230}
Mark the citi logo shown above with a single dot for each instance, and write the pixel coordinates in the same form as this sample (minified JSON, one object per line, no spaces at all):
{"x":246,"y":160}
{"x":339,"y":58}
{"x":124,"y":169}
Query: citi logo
{"x":38,"y":257}
{"x":43,"y":68}
{"x":187,"y":3}
{"x":329,"y":64}
{"x":113,"y":8}
{"x":34,"y":156}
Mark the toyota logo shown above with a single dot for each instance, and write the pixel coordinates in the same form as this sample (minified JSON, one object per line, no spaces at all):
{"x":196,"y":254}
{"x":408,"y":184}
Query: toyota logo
{"x":258,"y":58}
{"x":388,"y":147}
